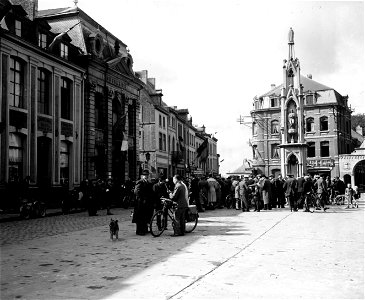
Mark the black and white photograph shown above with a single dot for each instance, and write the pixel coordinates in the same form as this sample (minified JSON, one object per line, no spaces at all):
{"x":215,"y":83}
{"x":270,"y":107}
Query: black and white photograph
{"x":182,"y":149}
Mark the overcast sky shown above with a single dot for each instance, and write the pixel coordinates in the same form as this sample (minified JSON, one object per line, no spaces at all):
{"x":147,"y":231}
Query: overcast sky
{"x":214,"y":56}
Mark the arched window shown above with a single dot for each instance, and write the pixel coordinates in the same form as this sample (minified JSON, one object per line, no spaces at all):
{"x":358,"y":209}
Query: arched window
{"x":17,"y":80}
{"x":309,"y":125}
{"x":275,"y":127}
{"x":44,"y":92}
{"x":323,"y":121}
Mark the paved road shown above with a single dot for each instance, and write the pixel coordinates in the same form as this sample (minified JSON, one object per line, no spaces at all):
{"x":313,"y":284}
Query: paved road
{"x":273,"y":254}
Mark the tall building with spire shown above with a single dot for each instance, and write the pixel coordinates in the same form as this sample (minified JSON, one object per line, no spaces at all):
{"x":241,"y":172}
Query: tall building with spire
{"x":300,"y":126}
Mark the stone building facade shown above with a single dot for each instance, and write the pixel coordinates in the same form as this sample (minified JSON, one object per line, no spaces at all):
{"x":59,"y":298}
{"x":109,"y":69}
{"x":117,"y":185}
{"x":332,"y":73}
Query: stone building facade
{"x":111,"y":94}
{"x":41,"y":103}
{"x":301,"y":126}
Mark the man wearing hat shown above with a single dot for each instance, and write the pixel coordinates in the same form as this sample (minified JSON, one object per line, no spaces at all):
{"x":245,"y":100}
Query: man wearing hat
{"x":290,"y":188}
{"x":144,"y":202}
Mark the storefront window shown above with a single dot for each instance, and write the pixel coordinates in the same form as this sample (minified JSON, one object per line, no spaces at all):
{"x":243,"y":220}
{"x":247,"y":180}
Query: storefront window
{"x":15,"y":157}
{"x":64,"y":162}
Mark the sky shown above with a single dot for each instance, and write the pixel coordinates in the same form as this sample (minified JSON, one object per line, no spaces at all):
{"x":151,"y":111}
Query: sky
{"x":214,"y":56}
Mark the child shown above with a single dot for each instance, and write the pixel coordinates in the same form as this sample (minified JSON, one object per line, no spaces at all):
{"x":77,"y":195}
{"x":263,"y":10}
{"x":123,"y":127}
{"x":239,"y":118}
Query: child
{"x":349,"y":195}
{"x":356,"y":196}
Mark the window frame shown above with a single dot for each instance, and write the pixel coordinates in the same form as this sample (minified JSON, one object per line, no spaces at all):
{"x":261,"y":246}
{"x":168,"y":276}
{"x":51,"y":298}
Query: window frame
{"x":275,"y":122}
{"x":44,"y":92}
{"x":17,"y":83}
{"x":325,"y":149}
{"x":64,"y":50}
{"x":18,"y":28}
{"x":309,"y":121}
{"x":311,"y":148}
{"x":42,"y":40}
{"x":66,"y":103}
{"x":323,"y":123}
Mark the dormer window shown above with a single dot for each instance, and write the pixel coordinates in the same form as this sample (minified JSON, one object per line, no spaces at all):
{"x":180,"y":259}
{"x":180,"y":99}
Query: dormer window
{"x":274,"y":102}
{"x":309,"y":99}
{"x":64,"y":51}
{"x":18,"y":28}
{"x":42,"y":40}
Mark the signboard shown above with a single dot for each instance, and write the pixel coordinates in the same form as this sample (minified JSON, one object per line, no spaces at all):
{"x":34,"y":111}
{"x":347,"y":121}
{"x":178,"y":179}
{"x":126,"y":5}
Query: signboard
{"x":323,"y":162}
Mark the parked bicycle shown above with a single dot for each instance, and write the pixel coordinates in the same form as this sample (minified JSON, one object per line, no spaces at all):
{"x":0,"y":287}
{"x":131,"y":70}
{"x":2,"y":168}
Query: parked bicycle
{"x":32,"y":208}
{"x":164,"y":219}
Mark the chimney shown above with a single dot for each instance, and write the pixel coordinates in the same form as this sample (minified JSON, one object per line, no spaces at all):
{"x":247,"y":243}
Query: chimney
{"x":273,"y":86}
{"x":152,"y":81}
{"x":142,"y":75}
{"x":309,"y":76}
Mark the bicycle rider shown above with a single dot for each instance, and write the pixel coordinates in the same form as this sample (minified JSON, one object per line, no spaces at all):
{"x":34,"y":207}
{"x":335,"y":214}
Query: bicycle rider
{"x":179,"y":195}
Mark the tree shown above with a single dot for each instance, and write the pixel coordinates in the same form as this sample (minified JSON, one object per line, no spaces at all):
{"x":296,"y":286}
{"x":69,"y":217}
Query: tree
{"x":358,"y":119}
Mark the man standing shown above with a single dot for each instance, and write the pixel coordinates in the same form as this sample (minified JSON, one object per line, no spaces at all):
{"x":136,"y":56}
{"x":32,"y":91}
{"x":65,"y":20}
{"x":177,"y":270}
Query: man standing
{"x":300,"y":195}
{"x":321,"y":190}
{"x":144,"y":194}
{"x":179,"y":196}
{"x":290,"y":187}
{"x":243,"y":194}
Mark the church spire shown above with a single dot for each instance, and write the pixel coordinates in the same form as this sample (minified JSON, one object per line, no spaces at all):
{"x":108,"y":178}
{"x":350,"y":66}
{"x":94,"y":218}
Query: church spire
{"x":291,"y":44}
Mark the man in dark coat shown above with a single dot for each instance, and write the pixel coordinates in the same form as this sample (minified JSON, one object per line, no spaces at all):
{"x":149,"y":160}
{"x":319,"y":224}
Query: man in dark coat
{"x":194,"y":189}
{"x":279,"y":191}
{"x":144,"y":200}
{"x":290,"y":188}
{"x":300,"y":196}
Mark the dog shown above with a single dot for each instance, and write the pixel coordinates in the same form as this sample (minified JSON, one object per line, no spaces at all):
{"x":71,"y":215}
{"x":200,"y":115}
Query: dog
{"x":114,"y":229}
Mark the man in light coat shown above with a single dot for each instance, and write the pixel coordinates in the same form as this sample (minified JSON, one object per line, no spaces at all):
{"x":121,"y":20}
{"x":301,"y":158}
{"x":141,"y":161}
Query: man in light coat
{"x":179,"y":196}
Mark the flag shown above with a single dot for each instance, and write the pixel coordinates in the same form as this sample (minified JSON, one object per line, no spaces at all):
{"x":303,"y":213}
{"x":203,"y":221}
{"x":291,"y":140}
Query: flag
{"x":202,"y":151}
{"x":59,"y":37}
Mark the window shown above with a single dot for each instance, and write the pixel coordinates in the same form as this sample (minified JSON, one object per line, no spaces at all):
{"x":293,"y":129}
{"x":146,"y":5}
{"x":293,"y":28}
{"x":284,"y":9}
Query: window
{"x":274,"y":102}
{"x":44,"y":97}
{"x":254,"y":151}
{"x":164,"y":142}
{"x":309,"y":125}
{"x":291,"y":78}
{"x":164,"y":122}
{"x":66,"y":99}
{"x":16,"y":87}
{"x":159,"y":121}
{"x":254,"y":128}
{"x":323,"y":123}
{"x":275,"y":151}
{"x":15,"y":157}
{"x":64,"y":161}
{"x":160,"y":141}
{"x":18,"y":28}
{"x":275,"y":127}
{"x":132,"y":120}
{"x":99,"y":100}
{"x":42,"y":40}
{"x":309,"y":99}
{"x":325,"y":149}
{"x":311,"y":152}
{"x":64,"y":51}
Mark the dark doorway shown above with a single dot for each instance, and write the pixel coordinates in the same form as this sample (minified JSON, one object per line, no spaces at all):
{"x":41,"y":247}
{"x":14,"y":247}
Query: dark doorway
{"x":359,"y":173}
{"x":293,"y":166}
{"x":44,"y":173}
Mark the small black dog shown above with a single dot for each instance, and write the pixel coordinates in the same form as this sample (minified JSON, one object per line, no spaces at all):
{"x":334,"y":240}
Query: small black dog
{"x":114,"y":228}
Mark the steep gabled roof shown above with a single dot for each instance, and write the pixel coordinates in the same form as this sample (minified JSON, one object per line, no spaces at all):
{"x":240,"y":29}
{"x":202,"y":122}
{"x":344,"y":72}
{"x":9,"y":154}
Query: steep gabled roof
{"x":309,"y":85}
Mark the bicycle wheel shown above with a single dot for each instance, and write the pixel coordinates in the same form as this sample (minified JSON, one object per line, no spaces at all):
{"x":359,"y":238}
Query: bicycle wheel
{"x":191,"y":221}
{"x":312,"y":204}
{"x":157,"y":223}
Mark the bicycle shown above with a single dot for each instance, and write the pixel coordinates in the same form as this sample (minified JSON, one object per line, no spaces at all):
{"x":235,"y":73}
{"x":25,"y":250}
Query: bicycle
{"x":339,"y":200}
{"x":311,"y":202}
{"x":164,"y":218}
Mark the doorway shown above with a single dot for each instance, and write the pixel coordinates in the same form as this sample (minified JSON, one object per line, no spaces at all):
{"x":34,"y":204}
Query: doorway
{"x":292,"y":166}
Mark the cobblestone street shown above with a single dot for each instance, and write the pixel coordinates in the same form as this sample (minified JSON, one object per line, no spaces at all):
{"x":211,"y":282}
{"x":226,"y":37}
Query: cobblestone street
{"x":272,"y":254}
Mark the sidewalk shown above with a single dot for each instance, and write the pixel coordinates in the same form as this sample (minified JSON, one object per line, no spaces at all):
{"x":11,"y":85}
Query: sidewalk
{"x":13,"y":216}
